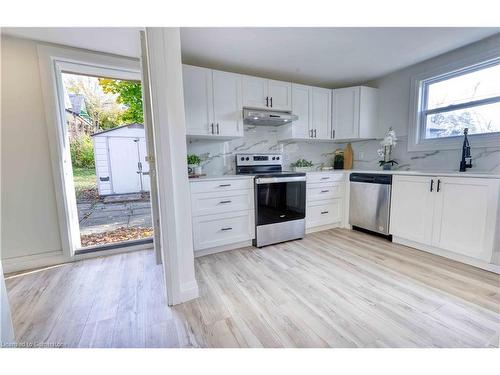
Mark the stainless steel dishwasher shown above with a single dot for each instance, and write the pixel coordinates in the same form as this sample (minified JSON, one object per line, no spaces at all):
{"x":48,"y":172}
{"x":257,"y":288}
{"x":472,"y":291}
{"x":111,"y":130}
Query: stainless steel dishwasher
{"x":370,"y":201}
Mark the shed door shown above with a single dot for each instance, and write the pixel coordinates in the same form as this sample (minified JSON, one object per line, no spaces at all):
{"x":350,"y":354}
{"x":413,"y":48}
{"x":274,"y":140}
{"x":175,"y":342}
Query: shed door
{"x":146,"y":184}
{"x":123,"y":158}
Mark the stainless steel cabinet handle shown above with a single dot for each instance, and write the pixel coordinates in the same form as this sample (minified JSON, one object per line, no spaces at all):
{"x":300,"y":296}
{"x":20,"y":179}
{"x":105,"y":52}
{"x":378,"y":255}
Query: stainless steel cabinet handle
{"x":439,"y":186}
{"x":333,"y":134}
{"x":310,"y":133}
{"x":224,"y":185}
{"x":222,"y":202}
{"x":271,"y":102}
{"x":324,"y":212}
{"x":267,"y":101}
{"x":224,"y":229}
{"x":217,"y":128}
{"x":325,"y":178}
{"x":212,"y":128}
{"x":315,"y":136}
{"x":432,"y":185}
{"x":325,"y":191}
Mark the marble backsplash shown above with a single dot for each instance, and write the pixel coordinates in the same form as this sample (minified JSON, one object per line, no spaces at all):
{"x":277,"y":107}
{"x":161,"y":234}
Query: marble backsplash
{"x":218,"y":158}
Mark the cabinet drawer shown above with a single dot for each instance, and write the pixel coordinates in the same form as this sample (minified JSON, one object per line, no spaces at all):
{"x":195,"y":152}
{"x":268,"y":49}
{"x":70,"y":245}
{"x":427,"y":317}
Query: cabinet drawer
{"x":223,"y":229}
{"x":324,"y":213}
{"x":221,"y":185}
{"x":313,"y":178}
{"x":214,"y":203}
{"x":324,"y":191}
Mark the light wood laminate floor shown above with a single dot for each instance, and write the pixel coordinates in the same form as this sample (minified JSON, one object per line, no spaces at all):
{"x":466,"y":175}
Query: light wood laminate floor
{"x":336,"y":288}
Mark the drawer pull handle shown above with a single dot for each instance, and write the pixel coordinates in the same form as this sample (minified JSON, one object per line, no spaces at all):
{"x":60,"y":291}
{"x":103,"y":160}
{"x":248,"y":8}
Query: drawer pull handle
{"x":224,"y":229}
{"x":325,"y":178}
{"x":324,"y":212}
{"x":222,"y":202}
{"x":224,"y":185}
{"x":325,"y":191}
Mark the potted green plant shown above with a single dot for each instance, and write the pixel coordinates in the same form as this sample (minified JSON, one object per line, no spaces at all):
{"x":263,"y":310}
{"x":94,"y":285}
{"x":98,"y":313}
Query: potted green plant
{"x":302,"y":165}
{"x":194,"y":162}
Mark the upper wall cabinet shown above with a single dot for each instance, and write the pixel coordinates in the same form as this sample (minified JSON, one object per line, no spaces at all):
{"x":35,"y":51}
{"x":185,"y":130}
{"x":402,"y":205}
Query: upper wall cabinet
{"x":355,"y":113}
{"x":267,"y":93}
{"x":312,"y":105}
{"x":213,"y":103}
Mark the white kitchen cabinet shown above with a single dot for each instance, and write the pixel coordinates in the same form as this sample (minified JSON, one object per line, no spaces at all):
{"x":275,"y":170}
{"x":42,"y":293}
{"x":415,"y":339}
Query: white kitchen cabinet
{"x":412,"y":208}
{"x":325,"y":200}
{"x":280,"y":95}
{"x":321,"y":113}
{"x":213,"y":103}
{"x":455,"y":214}
{"x":312,"y":105}
{"x":227,"y":97}
{"x":198,"y":100}
{"x":267,"y":94}
{"x":223,"y":214}
{"x":465,"y":216}
{"x":355,"y":113}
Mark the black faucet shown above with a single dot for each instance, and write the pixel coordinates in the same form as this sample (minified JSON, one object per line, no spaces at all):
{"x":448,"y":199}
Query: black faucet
{"x":465,"y":153}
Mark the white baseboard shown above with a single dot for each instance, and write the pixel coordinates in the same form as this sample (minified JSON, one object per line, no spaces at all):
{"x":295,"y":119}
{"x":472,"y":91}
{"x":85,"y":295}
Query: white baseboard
{"x":218,"y":249}
{"x":34,"y":261}
{"x":188,"y":292}
{"x":448,"y":254}
{"x":52,"y":258}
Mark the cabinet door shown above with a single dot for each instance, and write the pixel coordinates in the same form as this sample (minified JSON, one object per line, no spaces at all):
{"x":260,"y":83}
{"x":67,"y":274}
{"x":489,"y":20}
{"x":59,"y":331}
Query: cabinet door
{"x":198,"y":99}
{"x":346,"y":113}
{"x":412,"y":205}
{"x":227,"y":103}
{"x":280,"y":95}
{"x":301,"y":102}
{"x":464,"y":216}
{"x":254,"y":92}
{"x":321,"y":115}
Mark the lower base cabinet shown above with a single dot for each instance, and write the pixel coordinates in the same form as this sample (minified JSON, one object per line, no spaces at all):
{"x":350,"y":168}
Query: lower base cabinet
{"x":222,"y":229}
{"x":325,"y":200}
{"x":455,"y":214}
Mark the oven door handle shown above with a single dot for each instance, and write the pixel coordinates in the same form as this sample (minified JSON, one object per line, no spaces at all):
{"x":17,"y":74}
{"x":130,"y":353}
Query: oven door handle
{"x":276,"y":180}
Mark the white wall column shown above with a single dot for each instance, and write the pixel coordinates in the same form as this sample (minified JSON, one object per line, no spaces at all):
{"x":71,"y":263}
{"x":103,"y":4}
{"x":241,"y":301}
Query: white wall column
{"x":167,"y":101}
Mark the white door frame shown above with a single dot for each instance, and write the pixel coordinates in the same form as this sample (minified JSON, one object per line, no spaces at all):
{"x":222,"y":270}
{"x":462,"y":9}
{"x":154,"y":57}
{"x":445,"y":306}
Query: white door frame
{"x":52,"y":62}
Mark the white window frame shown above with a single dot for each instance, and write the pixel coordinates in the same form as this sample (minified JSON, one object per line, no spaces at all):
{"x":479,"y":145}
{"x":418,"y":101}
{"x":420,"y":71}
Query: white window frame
{"x":419,"y":83}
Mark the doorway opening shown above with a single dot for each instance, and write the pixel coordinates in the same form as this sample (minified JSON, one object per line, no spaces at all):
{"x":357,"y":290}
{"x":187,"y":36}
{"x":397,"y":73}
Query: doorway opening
{"x":110,"y":170}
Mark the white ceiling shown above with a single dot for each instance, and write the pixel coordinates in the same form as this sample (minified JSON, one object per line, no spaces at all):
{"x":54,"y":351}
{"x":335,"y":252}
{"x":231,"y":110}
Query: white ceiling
{"x":122,"y":41}
{"x":319,"y":56}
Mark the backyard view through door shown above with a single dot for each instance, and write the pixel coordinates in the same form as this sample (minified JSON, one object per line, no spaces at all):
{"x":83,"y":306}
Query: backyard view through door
{"x":105,"y":126}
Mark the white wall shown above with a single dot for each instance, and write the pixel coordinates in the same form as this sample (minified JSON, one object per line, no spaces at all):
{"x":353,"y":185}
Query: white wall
{"x":395,"y":88}
{"x":29,"y":211}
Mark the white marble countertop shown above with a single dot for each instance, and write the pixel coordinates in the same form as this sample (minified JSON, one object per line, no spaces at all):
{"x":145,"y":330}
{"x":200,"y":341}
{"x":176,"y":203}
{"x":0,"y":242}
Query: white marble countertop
{"x":471,"y":174}
{"x":222,"y":177}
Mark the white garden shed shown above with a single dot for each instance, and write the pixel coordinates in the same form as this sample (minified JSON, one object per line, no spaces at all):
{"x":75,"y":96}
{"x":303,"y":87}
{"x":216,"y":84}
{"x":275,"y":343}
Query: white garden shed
{"x":120,"y":160}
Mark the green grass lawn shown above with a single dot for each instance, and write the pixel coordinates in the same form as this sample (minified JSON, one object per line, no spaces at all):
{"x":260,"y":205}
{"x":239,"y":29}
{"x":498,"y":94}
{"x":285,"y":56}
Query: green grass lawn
{"x":84,"y":179}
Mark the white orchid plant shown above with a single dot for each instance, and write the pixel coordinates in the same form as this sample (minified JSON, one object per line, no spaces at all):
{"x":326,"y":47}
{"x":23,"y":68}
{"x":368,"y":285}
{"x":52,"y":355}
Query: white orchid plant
{"x":388,"y":143}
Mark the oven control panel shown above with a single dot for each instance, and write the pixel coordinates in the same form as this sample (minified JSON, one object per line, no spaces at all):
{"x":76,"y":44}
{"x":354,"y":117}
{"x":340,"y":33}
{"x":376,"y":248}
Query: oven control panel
{"x":259,"y":159}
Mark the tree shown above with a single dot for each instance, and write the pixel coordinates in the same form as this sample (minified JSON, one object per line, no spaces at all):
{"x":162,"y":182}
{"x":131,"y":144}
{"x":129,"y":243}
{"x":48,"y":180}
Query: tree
{"x":129,"y":94}
{"x":102,"y":107}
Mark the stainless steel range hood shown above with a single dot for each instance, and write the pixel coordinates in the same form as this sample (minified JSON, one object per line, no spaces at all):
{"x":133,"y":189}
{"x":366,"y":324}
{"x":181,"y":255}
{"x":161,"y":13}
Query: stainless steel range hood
{"x":267,"y":118}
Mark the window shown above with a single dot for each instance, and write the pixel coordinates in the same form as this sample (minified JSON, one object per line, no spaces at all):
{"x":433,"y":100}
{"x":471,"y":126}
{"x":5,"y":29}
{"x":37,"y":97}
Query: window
{"x":468,"y":98}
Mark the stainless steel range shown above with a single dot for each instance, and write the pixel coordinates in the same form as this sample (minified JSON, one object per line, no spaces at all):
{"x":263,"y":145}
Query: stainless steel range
{"x":280,"y":198}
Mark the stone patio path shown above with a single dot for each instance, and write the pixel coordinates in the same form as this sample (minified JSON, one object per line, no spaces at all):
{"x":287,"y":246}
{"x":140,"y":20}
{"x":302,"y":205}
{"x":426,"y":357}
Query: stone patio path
{"x":98,"y":217}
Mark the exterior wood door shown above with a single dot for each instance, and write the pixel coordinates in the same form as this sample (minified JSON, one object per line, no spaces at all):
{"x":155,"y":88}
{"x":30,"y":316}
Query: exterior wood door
{"x":123,"y":159}
{"x":145,"y":179}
